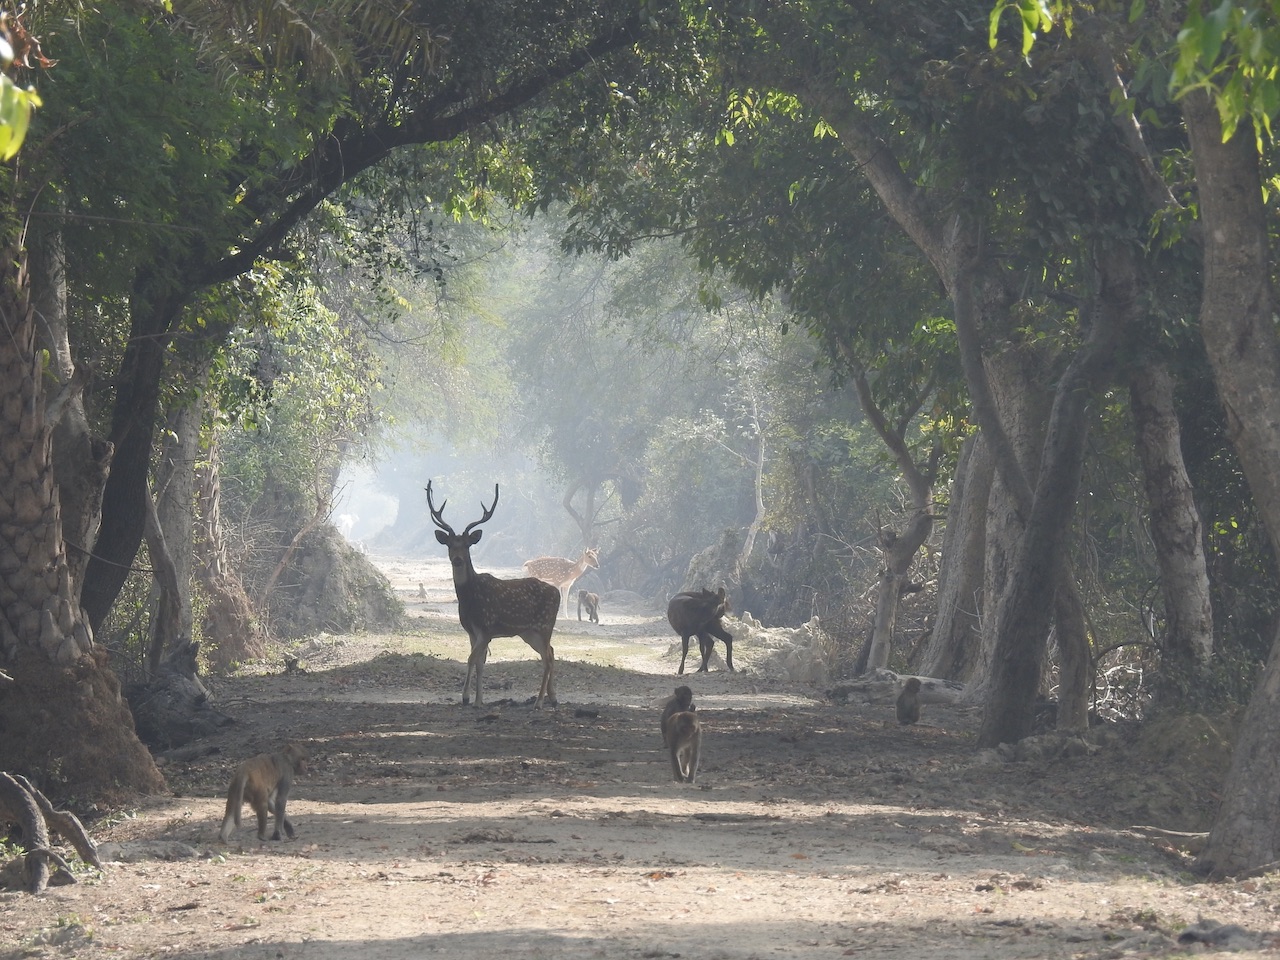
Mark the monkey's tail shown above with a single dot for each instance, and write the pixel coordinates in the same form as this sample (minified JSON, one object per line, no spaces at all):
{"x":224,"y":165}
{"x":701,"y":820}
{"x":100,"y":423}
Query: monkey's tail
{"x":235,"y":800}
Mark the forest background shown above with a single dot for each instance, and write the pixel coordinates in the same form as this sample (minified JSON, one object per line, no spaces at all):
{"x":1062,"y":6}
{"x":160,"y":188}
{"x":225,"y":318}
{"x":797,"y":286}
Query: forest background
{"x":839,"y":273}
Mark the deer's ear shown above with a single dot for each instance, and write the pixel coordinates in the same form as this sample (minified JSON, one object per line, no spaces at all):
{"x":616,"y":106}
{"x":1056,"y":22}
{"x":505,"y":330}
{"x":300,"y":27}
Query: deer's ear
{"x":442,"y":537}
{"x":474,"y":538}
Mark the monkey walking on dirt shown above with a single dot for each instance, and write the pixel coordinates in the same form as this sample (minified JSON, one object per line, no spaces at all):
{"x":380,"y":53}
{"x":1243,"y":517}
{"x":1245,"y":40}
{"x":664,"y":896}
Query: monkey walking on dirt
{"x":680,"y":703}
{"x":263,"y":782}
{"x":682,"y":734}
{"x":684,"y":740}
{"x":592,"y":602}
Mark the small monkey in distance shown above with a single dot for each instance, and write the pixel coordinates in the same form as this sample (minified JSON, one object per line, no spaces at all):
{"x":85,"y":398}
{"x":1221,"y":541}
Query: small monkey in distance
{"x":682,"y":702}
{"x":909,"y":702}
{"x":684,"y":739}
{"x":263,"y":782}
{"x":592,"y":602}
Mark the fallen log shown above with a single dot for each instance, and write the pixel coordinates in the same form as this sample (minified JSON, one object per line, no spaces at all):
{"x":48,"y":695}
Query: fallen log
{"x":884,"y":685}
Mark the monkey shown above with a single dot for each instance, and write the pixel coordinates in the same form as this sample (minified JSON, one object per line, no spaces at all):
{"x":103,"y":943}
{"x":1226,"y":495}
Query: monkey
{"x":592,"y":602}
{"x":263,"y":782}
{"x":684,"y":740}
{"x":682,"y":702}
{"x":422,"y":591}
{"x":909,"y":702}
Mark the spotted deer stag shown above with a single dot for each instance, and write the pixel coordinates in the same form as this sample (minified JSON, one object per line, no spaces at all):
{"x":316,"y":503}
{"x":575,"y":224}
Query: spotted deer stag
{"x":490,"y":607}
{"x":561,"y":572}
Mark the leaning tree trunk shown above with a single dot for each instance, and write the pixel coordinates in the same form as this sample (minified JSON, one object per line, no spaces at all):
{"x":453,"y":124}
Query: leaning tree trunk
{"x":153,"y":305}
{"x":1026,"y":610}
{"x":1175,"y":528}
{"x":65,"y":724}
{"x":1237,"y":323}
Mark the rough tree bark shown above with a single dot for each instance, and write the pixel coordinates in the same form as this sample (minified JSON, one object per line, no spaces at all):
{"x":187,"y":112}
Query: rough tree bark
{"x":66,"y":725}
{"x":1237,"y":324}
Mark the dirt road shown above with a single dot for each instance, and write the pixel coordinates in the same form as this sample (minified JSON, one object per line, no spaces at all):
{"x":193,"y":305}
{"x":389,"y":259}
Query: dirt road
{"x":815,"y":830}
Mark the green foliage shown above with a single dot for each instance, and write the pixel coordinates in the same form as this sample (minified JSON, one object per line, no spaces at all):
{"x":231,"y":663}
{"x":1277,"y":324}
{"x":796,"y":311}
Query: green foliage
{"x":16,"y":106}
{"x":1233,"y":52}
{"x":298,"y":389}
{"x":1034,"y":16}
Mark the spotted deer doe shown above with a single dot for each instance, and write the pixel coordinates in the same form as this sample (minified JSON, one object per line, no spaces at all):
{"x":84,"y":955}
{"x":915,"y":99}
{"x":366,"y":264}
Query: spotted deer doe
{"x":561,"y":572}
{"x":489,"y":607}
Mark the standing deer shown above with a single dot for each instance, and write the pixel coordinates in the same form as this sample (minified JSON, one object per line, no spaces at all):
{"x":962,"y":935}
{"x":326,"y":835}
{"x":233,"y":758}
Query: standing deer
{"x":489,"y":607}
{"x":698,"y":614}
{"x":561,"y":572}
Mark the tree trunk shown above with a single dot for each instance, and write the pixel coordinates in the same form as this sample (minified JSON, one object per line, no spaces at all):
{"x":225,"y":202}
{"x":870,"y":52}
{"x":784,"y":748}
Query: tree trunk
{"x":81,"y":461}
{"x":230,"y":630}
{"x":957,"y":248}
{"x":65,"y":724}
{"x":133,"y":420}
{"x":955,"y":646}
{"x":1176,"y":530}
{"x":175,"y":518}
{"x":897,"y":549}
{"x":757,"y":521}
{"x":1026,"y":611}
{"x":586,"y":520}
{"x":1237,"y":323}
{"x":166,"y":627}
{"x":1014,"y":381}
{"x":1075,"y":662}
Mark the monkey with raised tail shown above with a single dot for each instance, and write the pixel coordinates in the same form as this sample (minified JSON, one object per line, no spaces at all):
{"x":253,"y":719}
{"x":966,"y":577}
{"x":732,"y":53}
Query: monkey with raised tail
{"x":263,"y":782}
{"x":909,"y":702}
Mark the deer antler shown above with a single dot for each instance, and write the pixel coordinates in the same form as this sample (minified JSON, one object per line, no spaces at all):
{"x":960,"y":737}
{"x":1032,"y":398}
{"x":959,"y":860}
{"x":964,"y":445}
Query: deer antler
{"x":438,"y":515}
{"x":488,"y":512}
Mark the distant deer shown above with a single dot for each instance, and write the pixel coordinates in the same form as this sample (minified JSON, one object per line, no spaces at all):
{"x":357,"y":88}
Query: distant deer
{"x":698,"y":614}
{"x":489,"y":607}
{"x":561,"y":572}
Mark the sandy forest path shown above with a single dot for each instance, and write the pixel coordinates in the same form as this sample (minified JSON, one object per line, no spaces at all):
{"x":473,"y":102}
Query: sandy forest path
{"x":815,"y":830}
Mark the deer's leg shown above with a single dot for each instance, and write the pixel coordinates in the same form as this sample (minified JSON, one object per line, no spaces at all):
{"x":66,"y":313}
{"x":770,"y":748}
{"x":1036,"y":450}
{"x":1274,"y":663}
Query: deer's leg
{"x":547,"y":688}
{"x":548,"y":675}
{"x":479,"y":654}
{"x":684,"y":652}
{"x":715,"y":630}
